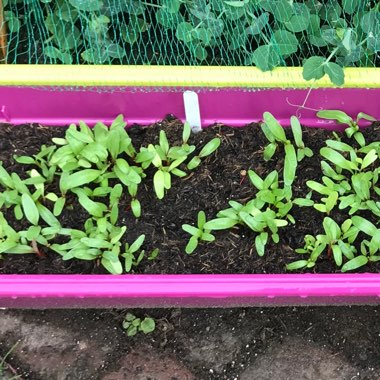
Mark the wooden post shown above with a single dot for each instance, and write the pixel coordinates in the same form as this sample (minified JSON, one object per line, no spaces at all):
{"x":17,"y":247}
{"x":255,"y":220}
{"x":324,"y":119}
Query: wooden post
{"x":3,"y":35}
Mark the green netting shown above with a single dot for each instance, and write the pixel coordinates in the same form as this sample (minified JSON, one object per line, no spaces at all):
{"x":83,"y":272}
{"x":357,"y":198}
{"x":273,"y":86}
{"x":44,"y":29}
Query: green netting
{"x":265,"y":33}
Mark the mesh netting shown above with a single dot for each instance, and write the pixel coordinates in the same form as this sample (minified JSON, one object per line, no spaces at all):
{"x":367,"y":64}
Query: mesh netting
{"x":265,"y":33}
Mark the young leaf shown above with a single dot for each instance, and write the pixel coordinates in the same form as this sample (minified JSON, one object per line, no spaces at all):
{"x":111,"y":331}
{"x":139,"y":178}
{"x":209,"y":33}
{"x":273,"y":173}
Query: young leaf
{"x":255,"y":179}
{"x":186,"y":132}
{"x":210,"y":147}
{"x":269,"y":151}
{"x":337,"y":115}
{"x":355,"y":263}
{"x":159,"y":183}
{"x":136,"y":244}
{"x":219,"y":224}
{"x":136,"y":208}
{"x":297,"y":265}
{"x":30,"y":209}
{"x":297,"y":131}
{"x":192,"y":230}
{"x":260,"y":243}
{"x":191,"y":245}
{"x":274,"y":126}
{"x":79,"y":178}
{"x":290,"y":165}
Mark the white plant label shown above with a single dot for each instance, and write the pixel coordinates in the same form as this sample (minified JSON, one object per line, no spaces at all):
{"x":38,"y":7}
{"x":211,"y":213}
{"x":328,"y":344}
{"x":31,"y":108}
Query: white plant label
{"x":192,"y":111}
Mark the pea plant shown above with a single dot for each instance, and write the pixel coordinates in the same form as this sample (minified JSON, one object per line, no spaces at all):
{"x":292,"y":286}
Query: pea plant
{"x":265,"y":33}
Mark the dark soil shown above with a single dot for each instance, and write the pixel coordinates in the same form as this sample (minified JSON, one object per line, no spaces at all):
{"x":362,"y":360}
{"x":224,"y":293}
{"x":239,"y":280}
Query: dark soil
{"x":220,"y":178}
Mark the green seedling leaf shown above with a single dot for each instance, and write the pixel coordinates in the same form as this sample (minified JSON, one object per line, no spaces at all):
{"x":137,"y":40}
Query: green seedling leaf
{"x":95,"y":209}
{"x":274,"y":126}
{"x":30,"y":209}
{"x":159,"y":184}
{"x":7,"y":245}
{"x":192,"y":230}
{"x":136,"y":208}
{"x":220,"y":224}
{"x":186,"y":132}
{"x":191,"y":245}
{"x":79,"y":178}
{"x":269,"y":151}
{"x":58,"y":206}
{"x":297,"y":131}
{"x":290,"y":165}
{"x":260,"y":243}
{"x":297,"y":265}
{"x":362,"y":115}
{"x":48,"y":216}
{"x":210,"y":147}
{"x":137,"y":244}
{"x":112,"y":266}
{"x":5,"y":178}
{"x":201,"y":219}
{"x":355,"y":263}
{"x":337,"y":115}
{"x":24,"y":160}
{"x":255,"y":179}
{"x":337,"y":159}
{"x":164,"y":144}
{"x":303,"y":202}
{"x":369,"y":159}
{"x":194,"y":163}
{"x":364,"y":225}
{"x":147,"y":325}
{"x":338,"y":256}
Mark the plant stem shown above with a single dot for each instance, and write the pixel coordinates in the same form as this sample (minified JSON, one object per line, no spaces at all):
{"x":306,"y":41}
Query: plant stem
{"x":332,"y":54}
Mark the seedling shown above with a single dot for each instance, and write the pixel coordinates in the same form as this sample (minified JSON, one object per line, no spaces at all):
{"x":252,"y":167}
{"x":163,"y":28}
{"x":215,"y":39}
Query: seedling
{"x":133,"y":325}
{"x":370,"y":249}
{"x":168,"y":159}
{"x":275,"y":135}
{"x":353,"y":129}
{"x":337,"y":240}
{"x":198,"y":233}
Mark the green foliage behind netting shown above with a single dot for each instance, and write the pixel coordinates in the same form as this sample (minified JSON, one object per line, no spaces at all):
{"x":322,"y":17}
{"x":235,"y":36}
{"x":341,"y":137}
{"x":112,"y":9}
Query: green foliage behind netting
{"x":324,"y":36}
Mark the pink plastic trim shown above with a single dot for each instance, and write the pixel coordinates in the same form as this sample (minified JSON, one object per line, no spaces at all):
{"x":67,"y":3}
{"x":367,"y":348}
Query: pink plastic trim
{"x":54,"y":291}
{"x":233,"y":107}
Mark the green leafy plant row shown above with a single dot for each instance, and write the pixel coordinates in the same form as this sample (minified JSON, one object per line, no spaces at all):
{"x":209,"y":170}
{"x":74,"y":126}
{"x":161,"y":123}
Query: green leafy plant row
{"x":323,"y":37}
{"x":96,"y":167}
{"x":350,"y":182}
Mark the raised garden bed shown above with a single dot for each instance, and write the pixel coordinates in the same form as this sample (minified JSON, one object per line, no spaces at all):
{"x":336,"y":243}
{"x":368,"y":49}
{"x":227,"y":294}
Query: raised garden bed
{"x":191,"y":289}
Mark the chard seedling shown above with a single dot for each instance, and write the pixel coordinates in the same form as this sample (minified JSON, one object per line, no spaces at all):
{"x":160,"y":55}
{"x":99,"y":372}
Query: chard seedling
{"x":198,"y":233}
{"x":270,"y":194}
{"x":168,"y":159}
{"x":10,"y":240}
{"x":251,"y":216}
{"x":302,"y":150}
{"x":97,"y":243}
{"x":337,"y":240}
{"x":276,"y":134}
{"x":353,"y":129}
{"x":370,"y":249}
{"x":207,"y":150}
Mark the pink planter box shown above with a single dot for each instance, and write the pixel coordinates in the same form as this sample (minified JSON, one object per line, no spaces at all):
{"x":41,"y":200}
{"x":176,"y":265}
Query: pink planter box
{"x":232,"y":107}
